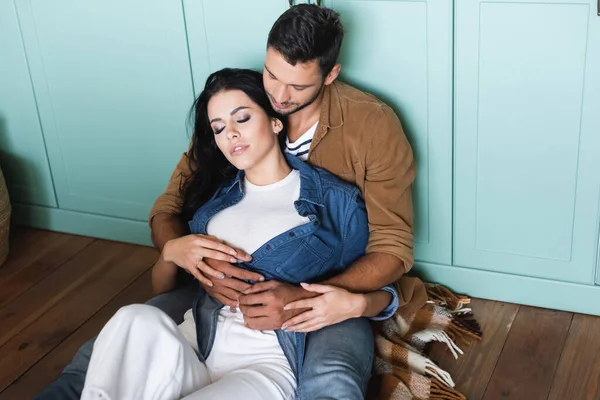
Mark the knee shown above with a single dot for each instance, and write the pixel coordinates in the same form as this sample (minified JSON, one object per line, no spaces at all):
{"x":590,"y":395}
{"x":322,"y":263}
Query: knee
{"x":141,"y":315}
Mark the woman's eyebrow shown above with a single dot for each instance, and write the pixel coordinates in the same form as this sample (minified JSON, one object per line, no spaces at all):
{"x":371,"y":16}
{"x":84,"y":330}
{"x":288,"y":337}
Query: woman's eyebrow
{"x":231,"y":113}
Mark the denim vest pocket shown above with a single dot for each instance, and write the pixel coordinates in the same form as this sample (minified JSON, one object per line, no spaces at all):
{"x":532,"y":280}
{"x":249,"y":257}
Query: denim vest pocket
{"x":307,"y":262}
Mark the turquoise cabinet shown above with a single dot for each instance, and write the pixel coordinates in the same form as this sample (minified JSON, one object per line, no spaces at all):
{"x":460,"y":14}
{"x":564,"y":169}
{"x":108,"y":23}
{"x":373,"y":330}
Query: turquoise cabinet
{"x":22,"y":151}
{"x":113,"y":88}
{"x":527,"y":138}
{"x":412,"y":72}
{"x":500,"y":100}
{"x":228,"y":33}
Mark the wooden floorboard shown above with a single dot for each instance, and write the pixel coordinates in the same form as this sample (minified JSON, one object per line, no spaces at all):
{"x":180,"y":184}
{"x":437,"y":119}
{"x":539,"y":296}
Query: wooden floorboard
{"x":63,"y":282}
{"x":530,"y":356}
{"x":58,"y":290}
{"x":472,"y":371}
{"x":49,"y":367}
{"x":113,"y":267}
{"x":34,"y":255}
{"x":578,"y":373}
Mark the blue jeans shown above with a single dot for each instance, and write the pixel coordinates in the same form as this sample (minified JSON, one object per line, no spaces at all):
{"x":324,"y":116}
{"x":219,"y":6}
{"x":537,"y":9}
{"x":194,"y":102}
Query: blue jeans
{"x":337,"y":364}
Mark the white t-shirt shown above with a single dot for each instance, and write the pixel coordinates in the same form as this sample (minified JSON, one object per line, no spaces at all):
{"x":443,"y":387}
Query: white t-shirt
{"x":300,"y":147}
{"x":263,"y":213}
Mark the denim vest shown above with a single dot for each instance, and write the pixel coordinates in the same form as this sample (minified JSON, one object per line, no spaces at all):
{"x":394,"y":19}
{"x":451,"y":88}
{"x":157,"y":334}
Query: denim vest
{"x":335,"y":236}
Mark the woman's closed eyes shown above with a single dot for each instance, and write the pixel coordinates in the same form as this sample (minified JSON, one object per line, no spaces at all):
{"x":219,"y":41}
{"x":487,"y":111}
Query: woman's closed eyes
{"x":241,"y":120}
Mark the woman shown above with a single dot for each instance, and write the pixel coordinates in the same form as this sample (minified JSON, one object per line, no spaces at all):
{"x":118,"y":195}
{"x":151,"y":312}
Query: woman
{"x":299,"y":223}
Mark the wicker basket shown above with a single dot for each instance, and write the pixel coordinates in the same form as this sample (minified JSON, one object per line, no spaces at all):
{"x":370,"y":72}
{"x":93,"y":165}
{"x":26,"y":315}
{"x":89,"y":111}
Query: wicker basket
{"x":4,"y":219}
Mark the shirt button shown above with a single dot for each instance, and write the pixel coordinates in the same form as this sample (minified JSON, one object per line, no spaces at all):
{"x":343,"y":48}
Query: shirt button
{"x":316,"y":223}
{"x":292,"y":234}
{"x":232,"y":310}
{"x":268,"y":247}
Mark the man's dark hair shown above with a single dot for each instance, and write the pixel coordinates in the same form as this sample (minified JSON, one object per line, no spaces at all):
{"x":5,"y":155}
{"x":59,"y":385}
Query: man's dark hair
{"x":307,"y":32}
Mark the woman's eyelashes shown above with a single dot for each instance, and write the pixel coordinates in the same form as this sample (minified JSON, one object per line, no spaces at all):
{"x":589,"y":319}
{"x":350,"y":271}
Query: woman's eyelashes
{"x":241,"y":120}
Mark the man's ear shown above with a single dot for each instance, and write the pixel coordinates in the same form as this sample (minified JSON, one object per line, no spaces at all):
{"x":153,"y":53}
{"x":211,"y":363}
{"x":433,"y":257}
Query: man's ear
{"x":277,"y":125}
{"x":333,"y":74}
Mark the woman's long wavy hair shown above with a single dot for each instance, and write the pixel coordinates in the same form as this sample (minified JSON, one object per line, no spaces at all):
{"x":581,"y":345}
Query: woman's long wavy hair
{"x":209,"y":166}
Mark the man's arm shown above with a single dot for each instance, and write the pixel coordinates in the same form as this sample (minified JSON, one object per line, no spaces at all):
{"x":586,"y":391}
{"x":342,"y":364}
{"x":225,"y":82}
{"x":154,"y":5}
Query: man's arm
{"x":390,"y":172}
{"x":164,"y":219}
{"x":369,"y":273}
{"x":166,"y":227}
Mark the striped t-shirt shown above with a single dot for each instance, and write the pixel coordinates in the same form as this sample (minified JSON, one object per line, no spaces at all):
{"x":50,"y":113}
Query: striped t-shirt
{"x":300,"y":147}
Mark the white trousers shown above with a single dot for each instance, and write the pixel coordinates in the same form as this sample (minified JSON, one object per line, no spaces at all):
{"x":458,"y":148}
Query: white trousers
{"x":141,"y":354}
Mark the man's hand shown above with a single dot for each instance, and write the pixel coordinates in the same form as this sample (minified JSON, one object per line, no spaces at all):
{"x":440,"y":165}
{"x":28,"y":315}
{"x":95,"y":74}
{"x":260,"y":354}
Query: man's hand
{"x":228,"y":289}
{"x":262,"y":304}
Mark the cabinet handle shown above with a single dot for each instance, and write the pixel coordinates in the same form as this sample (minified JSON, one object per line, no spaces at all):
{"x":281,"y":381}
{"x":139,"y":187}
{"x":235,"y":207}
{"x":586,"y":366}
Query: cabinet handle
{"x":599,"y":8}
{"x":319,"y":2}
{"x":291,"y":2}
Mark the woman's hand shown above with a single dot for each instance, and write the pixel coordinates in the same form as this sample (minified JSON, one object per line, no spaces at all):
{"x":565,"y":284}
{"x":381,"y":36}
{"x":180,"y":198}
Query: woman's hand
{"x":188,"y":252}
{"x":334,"y":305}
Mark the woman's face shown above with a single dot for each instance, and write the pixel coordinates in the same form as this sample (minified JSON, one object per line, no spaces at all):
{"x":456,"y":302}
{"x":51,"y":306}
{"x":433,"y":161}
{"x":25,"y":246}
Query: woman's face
{"x":243,"y":131}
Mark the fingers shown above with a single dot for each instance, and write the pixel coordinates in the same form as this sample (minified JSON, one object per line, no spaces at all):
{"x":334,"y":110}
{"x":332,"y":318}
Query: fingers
{"x":206,"y":270}
{"x":211,"y":242}
{"x":298,"y":319}
{"x":224,"y":295}
{"x":305,"y":303}
{"x":226,"y":300}
{"x":252,"y":299}
{"x":261,"y":287}
{"x":314,"y":287}
{"x":241,"y":273}
{"x":309,"y":326}
{"x":200,"y":277}
{"x":234,"y":284}
{"x":253,"y":311}
{"x":217,"y":255}
{"x":233,"y":271}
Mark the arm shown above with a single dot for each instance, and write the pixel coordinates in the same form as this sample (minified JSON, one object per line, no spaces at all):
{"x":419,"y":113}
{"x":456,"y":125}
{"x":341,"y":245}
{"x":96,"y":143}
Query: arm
{"x":166,"y":225}
{"x":374,"y":303}
{"x":345,"y":305}
{"x":390,"y":172}
{"x":170,"y":235}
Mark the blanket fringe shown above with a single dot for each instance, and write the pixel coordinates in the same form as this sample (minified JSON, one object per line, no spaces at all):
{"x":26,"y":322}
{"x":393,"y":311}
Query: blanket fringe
{"x":436,"y":372}
{"x":463,"y":330}
{"x":439,"y":391}
{"x":443,"y":296}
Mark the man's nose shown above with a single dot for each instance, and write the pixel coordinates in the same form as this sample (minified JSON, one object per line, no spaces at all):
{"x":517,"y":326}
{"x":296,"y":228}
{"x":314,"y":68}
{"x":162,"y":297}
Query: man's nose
{"x":281,"y":94}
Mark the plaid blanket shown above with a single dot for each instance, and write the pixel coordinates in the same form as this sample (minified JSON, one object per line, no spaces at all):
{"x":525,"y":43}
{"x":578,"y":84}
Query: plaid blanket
{"x":427,"y":313}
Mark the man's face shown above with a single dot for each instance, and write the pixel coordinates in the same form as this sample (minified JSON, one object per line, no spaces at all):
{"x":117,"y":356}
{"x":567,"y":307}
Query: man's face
{"x":291,"y":87}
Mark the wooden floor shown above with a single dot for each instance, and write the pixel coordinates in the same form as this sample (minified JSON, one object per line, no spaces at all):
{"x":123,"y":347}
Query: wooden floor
{"x":57,"y":290}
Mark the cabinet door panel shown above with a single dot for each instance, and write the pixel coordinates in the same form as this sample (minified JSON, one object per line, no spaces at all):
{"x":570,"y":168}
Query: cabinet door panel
{"x":22,"y":150}
{"x":527,"y":137}
{"x":228,"y":33}
{"x":113,"y":88}
{"x":401,"y":51}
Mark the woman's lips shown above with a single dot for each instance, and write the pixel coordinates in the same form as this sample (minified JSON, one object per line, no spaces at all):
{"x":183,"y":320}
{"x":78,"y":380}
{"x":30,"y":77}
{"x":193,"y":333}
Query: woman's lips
{"x":238,"y":149}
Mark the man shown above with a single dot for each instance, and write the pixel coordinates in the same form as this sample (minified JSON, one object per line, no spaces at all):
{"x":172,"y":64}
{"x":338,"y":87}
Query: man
{"x":333,"y":126}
